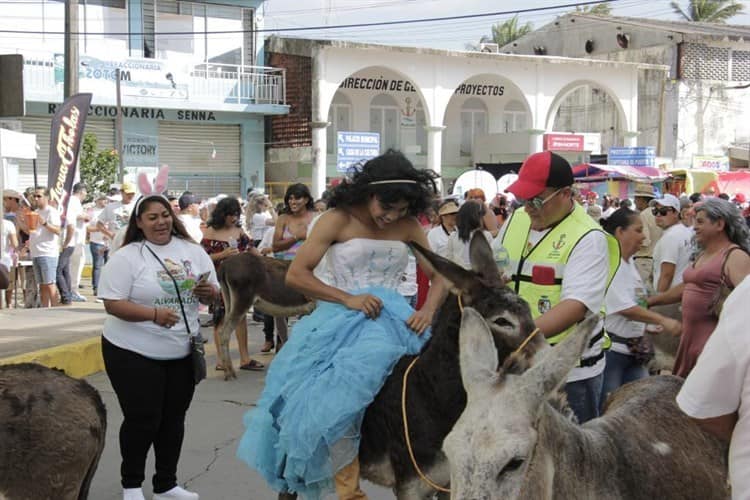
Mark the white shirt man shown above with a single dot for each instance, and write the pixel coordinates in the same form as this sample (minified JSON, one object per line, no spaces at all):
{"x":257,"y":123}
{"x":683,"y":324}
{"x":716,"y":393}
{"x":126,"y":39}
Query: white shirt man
{"x":189,"y":215}
{"x":672,"y":251}
{"x":717,"y":391}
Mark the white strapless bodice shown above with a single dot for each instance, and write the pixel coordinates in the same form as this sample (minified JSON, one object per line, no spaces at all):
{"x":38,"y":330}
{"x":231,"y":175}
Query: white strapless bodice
{"x":363,"y":262}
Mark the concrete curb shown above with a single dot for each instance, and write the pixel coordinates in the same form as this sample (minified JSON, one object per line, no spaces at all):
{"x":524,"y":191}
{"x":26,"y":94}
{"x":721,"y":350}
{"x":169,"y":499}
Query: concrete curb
{"x":78,"y":359}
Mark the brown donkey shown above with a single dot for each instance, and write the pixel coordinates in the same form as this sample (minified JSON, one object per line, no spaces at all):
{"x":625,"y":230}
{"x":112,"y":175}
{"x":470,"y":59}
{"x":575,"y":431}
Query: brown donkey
{"x":252,"y":280}
{"x":52,"y":433}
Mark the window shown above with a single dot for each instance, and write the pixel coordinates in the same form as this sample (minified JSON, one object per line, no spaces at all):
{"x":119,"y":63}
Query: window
{"x":473,"y":123}
{"x":384,"y":119}
{"x":514,"y":117}
{"x":339,"y":117}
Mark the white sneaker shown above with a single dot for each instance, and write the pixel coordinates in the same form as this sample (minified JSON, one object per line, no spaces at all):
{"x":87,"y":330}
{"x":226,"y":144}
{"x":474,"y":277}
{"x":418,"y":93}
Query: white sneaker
{"x":176,"y":493}
{"x":133,"y":494}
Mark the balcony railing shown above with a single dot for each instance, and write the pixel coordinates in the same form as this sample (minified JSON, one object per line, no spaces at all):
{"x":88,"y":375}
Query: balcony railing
{"x":206,"y":83}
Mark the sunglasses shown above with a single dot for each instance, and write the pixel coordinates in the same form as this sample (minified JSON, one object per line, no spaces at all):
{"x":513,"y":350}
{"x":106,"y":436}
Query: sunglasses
{"x":538,"y":202}
{"x":662,"y":211}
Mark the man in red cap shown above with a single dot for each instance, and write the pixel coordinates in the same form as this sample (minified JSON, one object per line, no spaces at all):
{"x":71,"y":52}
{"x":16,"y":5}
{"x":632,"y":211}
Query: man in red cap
{"x":561,"y":263}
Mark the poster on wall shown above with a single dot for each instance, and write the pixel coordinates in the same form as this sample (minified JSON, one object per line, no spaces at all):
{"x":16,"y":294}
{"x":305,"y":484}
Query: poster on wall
{"x":706,"y":162}
{"x":353,"y":147}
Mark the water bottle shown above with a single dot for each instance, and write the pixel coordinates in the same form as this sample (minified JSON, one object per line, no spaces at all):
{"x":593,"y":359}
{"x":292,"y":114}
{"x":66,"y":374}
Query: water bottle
{"x":502,"y":260}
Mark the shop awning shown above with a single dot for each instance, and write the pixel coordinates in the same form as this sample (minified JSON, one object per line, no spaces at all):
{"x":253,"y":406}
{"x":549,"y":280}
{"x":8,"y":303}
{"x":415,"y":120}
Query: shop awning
{"x":592,"y":172}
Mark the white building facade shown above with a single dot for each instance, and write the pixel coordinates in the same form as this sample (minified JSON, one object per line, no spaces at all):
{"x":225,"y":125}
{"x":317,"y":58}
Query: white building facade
{"x":445,"y":110}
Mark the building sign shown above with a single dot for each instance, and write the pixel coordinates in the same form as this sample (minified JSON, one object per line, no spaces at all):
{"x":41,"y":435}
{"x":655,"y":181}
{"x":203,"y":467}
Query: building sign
{"x":353,"y":147}
{"x":383,"y":84}
{"x":140,"y":150}
{"x":706,"y":162}
{"x":642,"y":156}
{"x":149,"y":78}
{"x":562,"y":142}
{"x":189,"y":115}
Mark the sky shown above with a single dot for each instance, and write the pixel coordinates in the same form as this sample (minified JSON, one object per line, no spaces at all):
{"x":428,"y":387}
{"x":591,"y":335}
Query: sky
{"x":451,"y":34}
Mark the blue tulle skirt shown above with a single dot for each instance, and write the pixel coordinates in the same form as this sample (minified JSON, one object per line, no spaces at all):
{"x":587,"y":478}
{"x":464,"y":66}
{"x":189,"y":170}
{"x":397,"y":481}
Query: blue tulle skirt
{"x":307,"y":421}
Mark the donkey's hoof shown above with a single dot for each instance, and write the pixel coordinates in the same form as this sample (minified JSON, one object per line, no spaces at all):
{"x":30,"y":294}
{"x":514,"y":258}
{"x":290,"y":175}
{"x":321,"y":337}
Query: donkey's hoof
{"x":229,"y":374}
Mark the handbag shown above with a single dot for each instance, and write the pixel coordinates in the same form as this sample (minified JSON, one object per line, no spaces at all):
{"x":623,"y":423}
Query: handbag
{"x":724,"y":289}
{"x":197,"y":351}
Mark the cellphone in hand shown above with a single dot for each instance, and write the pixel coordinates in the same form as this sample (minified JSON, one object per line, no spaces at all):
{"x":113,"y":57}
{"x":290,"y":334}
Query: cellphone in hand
{"x":203,"y":277}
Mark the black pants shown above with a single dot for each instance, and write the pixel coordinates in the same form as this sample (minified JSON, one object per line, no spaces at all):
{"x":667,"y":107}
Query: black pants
{"x":154,"y":396}
{"x":63,"y":275}
{"x":268,"y":324}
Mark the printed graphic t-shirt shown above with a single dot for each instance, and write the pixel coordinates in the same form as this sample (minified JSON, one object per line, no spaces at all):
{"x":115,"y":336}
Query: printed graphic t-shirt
{"x":134,"y":274}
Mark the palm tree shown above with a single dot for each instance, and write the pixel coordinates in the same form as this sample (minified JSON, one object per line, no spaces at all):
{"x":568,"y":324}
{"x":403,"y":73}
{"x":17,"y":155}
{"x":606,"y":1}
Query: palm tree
{"x":600,"y":9}
{"x":709,"y":11}
{"x":505,"y":32}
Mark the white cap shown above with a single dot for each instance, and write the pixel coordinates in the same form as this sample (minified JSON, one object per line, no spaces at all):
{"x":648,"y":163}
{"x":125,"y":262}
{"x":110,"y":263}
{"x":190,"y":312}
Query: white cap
{"x":669,"y":200}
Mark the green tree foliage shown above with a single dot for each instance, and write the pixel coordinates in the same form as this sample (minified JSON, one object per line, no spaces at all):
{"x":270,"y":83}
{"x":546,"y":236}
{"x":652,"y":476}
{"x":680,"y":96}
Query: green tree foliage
{"x":98,"y":167}
{"x":709,"y":11}
{"x":599,"y":9}
{"x":505,"y":32}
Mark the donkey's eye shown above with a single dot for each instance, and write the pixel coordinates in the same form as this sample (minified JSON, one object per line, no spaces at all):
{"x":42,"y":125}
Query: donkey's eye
{"x":514,"y":464}
{"x":504,"y":323}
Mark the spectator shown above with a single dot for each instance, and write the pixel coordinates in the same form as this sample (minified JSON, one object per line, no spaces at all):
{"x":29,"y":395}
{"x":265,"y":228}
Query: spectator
{"x":470,"y":218}
{"x":116,"y":215}
{"x":98,"y":243}
{"x":644,"y":258}
{"x":717,"y":391}
{"x":672,"y":252}
{"x":489,"y":220}
{"x":624,"y":303}
{"x":151,"y":290}
{"x":262,"y":217}
{"x":78,"y":258}
{"x":438,"y":236}
{"x":189,"y":215}
{"x":723,"y":242}
{"x":562,"y":263}
{"x":44,"y":244}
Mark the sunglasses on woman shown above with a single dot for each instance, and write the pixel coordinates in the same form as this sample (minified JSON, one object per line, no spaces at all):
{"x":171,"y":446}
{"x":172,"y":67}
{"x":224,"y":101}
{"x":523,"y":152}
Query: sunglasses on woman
{"x":661,"y":211}
{"x":537,"y":202}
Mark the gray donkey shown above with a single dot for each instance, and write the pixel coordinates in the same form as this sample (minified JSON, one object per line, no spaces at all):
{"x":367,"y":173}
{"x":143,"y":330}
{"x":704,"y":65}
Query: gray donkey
{"x":51,"y":436}
{"x":512,"y":442}
{"x":246,"y":280}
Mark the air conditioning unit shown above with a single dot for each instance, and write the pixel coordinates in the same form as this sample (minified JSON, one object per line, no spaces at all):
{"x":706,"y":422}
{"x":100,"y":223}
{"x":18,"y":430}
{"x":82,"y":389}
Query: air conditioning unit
{"x":489,"y":47}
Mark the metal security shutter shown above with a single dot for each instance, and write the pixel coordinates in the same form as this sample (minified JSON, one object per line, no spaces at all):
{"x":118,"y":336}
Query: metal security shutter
{"x":103,"y":129}
{"x":188,"y":149}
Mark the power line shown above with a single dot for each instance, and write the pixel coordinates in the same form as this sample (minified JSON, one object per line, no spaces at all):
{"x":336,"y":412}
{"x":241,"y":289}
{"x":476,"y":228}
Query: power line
{"x":330,"y":27}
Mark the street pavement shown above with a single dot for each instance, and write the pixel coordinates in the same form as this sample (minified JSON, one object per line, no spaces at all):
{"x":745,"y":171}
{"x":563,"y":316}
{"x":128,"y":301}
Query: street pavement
{"x":208,"y":464}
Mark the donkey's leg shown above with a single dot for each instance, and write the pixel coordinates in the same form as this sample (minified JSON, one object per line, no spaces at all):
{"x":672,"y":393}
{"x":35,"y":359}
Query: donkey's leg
{"x":236,"y":302}
{"x":282,"y":332}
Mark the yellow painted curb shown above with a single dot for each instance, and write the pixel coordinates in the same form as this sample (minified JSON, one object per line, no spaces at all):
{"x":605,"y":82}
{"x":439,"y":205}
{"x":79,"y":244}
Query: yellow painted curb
{"x":77,"y":359}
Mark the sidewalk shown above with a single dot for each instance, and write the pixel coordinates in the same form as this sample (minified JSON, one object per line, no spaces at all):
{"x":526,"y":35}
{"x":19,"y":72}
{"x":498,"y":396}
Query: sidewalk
{"x":60,"y":337}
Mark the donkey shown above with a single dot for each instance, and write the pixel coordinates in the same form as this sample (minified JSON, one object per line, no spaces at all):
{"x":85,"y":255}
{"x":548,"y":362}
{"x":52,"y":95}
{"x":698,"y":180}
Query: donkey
{"x":52,"y":433}
{"x":436,"y":396}
{"x":247,"y":279}
{"x":643,"y":447}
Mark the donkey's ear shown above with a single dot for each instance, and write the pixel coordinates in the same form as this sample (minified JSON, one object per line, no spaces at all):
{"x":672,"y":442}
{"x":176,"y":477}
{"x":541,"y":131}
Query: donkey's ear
{"x":459,"y":279}
{"x":482,"y":260}
{"x":477,"y":354}
{"x":551,"y":371}
{"x":143,"y":184}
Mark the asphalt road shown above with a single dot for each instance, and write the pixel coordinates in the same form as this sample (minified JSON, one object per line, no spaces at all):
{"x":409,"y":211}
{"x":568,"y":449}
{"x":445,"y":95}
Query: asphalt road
{"x":208,"y":464}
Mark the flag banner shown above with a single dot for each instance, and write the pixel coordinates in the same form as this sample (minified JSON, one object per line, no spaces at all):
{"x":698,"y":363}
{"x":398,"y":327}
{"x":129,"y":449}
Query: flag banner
{"x":65,"y":142}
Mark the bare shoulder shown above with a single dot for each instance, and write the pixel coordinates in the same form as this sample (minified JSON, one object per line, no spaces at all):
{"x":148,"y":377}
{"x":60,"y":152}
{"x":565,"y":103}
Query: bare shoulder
{"x":331,"y":223}
{"x":411,"y":229}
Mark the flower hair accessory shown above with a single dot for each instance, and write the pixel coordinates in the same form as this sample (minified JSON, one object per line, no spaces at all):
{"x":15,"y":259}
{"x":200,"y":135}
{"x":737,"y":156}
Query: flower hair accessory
{"x":148,"y":190}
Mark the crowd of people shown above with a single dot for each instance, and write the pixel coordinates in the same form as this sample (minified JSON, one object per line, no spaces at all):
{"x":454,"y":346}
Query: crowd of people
{"x":659,"y":264}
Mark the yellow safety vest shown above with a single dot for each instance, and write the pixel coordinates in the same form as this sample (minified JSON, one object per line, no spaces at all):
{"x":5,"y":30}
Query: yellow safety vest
{"x":542,"y":287}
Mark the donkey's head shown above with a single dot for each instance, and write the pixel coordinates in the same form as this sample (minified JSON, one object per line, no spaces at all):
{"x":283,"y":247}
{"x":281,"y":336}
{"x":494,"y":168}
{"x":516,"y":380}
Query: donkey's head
{"x":490,"y":448}
{"x":482,"y":287}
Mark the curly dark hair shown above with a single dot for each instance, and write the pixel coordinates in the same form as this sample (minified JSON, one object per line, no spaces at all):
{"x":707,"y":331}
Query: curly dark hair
{"x":469,"y":219}
{"x":298,"y":190}
{"x":226,"y":206}
{"x":391,"y":165}
{"x":134,"y":233}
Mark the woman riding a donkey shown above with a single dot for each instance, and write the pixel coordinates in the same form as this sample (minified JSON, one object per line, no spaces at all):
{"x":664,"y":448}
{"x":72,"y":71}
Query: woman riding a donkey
{"x":304,"y":435}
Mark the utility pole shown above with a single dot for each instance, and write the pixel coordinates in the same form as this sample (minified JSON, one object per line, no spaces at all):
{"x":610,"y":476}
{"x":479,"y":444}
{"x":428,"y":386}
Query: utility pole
{"x":118,"y":127}
{"x":70,"y":86}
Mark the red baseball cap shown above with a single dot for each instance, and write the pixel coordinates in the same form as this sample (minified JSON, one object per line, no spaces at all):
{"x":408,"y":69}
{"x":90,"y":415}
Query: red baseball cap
{"x":540,"y":171}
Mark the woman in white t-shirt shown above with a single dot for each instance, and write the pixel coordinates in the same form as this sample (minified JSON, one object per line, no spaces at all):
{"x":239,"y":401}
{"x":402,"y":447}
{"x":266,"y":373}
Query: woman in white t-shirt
{"x":470,"y":218}
{"x":157,"y":272}
{"x":626,"y":317}
{"x":263,"y":218}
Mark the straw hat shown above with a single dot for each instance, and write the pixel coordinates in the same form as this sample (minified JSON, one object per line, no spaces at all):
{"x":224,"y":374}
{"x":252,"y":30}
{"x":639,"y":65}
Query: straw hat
{"x":448,"y":207}
{"x":644,"y":190}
